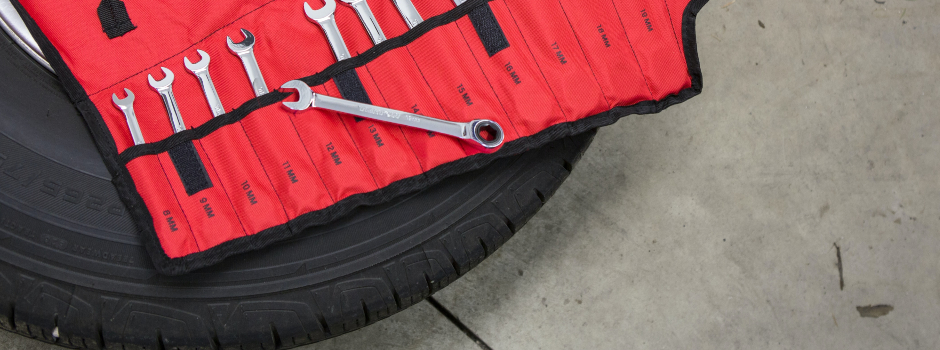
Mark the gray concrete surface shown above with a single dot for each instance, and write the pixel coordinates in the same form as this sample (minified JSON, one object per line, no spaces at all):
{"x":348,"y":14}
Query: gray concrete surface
{"x":714,"y":224}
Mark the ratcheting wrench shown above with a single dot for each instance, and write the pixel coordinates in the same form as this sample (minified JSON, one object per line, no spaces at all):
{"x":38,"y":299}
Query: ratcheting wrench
{"x":246,"y":51}
{"x":368,"y":20}
{"x":126,"y":105}
{"x":201,"y":71}
{"x":408,"y":12}
{"x":487,"y":133}
{"x":165,"y":89}
{"x":324,"y":17}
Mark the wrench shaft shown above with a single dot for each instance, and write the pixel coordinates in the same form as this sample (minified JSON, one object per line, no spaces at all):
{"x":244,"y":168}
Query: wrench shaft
{"x":369,"y":21}
{"x":409,"y":13}
{"x":460,"y":130}
{"x":335,"y":38}
{"x":132,"y":124}
{"x":212,"y":96}
{"x":254,"y":72}
{"x":169,"y":101}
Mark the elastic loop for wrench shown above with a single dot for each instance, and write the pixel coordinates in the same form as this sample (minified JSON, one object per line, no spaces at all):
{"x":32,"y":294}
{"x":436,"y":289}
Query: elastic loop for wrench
{"x":190,"y":168}
{"x":488,"y":29}
{"x":350,"y":87}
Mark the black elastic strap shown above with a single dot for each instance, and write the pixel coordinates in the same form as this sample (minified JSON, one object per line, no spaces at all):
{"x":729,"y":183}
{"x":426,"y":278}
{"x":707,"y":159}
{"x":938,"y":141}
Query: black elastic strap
{"x":350,"y":87}
{"x":488,"y":29}
{"x":190,"y":168}
{"x":114,"y":19}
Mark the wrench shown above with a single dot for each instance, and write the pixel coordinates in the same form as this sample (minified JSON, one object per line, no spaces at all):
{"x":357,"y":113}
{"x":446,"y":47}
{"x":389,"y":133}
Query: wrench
{"x":201,"y":71}
{"x":487,"y":133}
{"x":246,"y":51}
{"x":324,"y":17}
{"x":126,"y":105}
{"x":368,"y":20}
{"x":165,"y":89}
{"x":408,"y":12}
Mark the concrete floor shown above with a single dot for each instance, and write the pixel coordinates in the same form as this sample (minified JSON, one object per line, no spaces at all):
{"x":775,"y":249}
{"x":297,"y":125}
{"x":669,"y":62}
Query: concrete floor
{"x":715,"y":224}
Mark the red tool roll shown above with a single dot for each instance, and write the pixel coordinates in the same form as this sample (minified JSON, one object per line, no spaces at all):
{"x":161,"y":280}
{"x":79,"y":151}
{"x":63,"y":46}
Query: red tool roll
{"x":260,"y":173}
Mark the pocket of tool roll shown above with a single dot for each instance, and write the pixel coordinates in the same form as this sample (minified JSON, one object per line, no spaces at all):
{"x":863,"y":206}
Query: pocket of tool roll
{"x":260,"y":172}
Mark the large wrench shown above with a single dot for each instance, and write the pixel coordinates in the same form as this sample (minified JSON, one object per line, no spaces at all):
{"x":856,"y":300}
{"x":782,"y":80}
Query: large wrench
{"x":368,"y":20}
{"x":486,"y":133}
{"x":324,"y":17}
{"x":126,"y":105}
{"x":408,"y":12}
{"x":246,"y":51}
{"x":165,"y":89}
{"x":201,"y":71}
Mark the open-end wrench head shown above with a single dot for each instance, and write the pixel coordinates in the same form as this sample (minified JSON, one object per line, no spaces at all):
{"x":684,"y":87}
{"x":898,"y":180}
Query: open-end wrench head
{"x":244,"y":45}
{"x":304,"y":95}
{"x":200,"y":66}
{"x":161,"y":84}
{"x":321,"y":14}
{"x":124,"y":103}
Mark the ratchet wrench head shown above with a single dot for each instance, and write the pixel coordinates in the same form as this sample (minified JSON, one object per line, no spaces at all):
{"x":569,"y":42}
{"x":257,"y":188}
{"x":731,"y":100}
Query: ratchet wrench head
{"x":162,"y":84}
{"x":322,"y":13}
{"x":243,"y":46}
{"x":487,"y":133}
{"x":124,"y":103}
{"x":200,"y":66}
{"x":304,"y":95}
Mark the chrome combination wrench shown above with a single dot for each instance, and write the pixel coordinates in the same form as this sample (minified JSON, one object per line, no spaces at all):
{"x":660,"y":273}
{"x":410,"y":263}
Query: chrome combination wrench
{"x":408,"y":12}
{"x":201,"y":71}
{"x":486,"y":133}
{"x":126,"y":105}
{"x":368,"y":20}
{"x":165,"y":88}
{"x":245,"y":50}
{"x":324,"y":17}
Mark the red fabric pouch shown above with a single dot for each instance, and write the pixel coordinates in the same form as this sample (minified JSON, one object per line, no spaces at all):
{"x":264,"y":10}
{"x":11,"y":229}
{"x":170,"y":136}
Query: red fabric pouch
{"x":260,"y":172}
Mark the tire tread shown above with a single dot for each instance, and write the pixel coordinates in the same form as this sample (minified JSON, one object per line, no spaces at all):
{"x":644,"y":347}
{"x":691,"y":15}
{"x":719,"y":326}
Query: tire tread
{"x":323,"y":311}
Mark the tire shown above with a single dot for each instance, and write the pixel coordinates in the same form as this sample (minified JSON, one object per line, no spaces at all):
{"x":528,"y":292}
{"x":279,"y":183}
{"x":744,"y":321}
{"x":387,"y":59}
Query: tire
{"x":73,"y":272}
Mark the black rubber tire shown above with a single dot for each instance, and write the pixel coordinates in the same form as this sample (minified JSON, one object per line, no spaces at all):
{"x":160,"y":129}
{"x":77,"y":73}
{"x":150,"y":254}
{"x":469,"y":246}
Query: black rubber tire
{"x":70,"y":260}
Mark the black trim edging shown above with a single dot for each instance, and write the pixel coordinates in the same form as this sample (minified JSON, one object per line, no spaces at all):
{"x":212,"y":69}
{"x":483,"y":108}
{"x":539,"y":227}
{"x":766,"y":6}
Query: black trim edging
{"x":178,"y":266}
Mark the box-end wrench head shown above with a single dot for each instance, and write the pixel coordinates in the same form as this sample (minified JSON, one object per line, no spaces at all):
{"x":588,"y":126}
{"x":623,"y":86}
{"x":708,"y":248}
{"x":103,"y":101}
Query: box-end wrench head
{"x":126,"y":105}
{"x":165,"y":89}
{"x":245,"y":50}
{"x":368,"y":20}
{"x":201,"y":71}
{"x":408,"y":12}
{"x":486,"y":133}
{"x":324,"y":17}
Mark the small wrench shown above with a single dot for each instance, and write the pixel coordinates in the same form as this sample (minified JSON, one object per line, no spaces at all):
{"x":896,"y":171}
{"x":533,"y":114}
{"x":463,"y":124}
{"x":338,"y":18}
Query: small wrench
{"x":487,"y":133}
{"x":126,"y":105}
{"x":201,"y":71}
{"x":324,"y":17}
{"x":408,"y":12}
{"x":165,"y":89}
{"x":246,"y":51}
{"x":368,"y":20}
